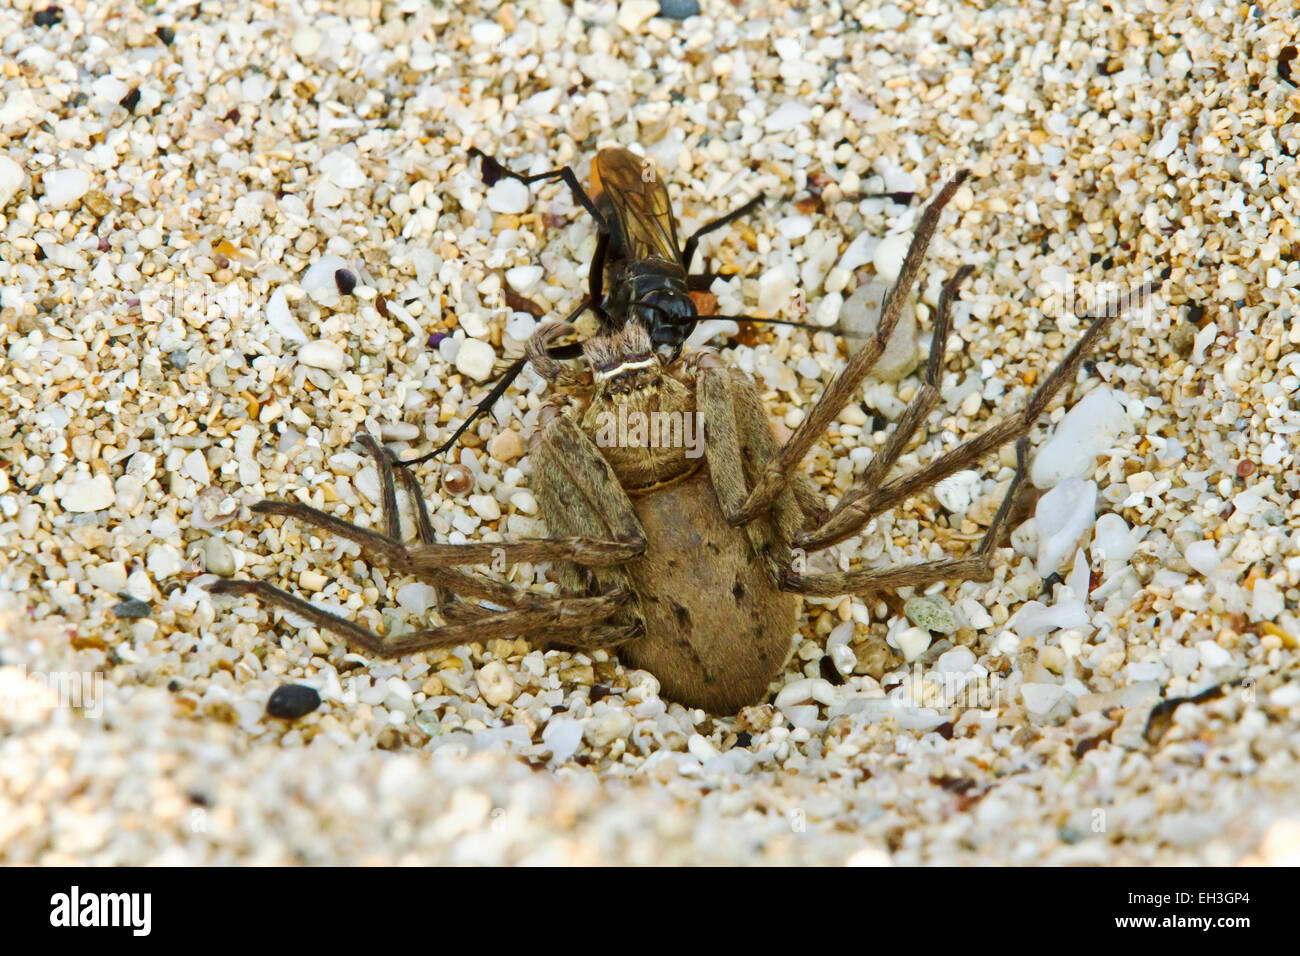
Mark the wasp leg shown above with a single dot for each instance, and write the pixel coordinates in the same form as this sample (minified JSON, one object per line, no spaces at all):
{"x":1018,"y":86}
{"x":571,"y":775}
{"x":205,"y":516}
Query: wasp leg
{"x":502,"y":385}
{"x":493,"y":170}
{"x":688,"y":251}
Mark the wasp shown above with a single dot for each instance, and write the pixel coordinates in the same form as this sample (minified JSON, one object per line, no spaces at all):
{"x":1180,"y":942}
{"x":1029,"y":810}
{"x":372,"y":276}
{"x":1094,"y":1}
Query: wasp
{"x":640,"y":272}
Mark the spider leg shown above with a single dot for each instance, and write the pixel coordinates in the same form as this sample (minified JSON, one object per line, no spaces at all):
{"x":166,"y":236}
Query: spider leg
{"x":436,"y":563}
{"x":570,"y":615}
{"x":737,"y":441}
{"x":925,"y":401}
{"x":851,"y":514}
{"x":777,"y":474}
{"x":974,"y":567}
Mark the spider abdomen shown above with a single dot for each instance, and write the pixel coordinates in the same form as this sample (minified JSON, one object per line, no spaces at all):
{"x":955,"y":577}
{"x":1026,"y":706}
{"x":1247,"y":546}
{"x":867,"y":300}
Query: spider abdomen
{"x":717,"y":628}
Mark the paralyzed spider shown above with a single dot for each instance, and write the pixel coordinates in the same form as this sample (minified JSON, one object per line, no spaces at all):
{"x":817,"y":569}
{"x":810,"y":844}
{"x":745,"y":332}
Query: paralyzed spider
{"x":681,"y":561}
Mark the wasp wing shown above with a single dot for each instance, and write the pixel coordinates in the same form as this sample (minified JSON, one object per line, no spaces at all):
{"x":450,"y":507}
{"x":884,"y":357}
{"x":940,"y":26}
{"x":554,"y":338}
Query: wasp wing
{"x":638,"y":197}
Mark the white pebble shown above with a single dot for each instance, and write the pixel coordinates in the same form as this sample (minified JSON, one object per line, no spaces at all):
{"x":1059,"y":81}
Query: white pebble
{"x":861,"y":317}
{"x":475,"y":358}
{"x":164,"y":561}
{"x":1212,"y":655}
{"x":787,"y":116}
{"x":958,"y":491}
{"x":520,"y":326}
{"x":701,"y":749}
{"x":959,"y":660}
{"x":109,"y":88}
{"x":485,"y":506}
{"x":305,"y":42}
{"x":281,"y":319}
{"x":110,"y":576}
{"x":416,"y":598}
{"x":487,"y":33}
{"x":11,"y":178}
{"x":1034,"y":619}
{"x":1203,"y":556}
{"x":1112,"y":540}
{"x":634,"y":14}
{"x":1286,"y":696}
{"x":312,"y":580}
{"x":323,"y":355}
{"x":1266,"y":601}
{"x":795,"y":227}
{"x":509,"y":196}
{"x":63,"y":187}
{"x":495,"y":685}
{"x":912,"y":643}
{"x":88,"y":494}
{"x":859,"y":252}
{"x":888,"y":257}
{"x":474,"y":324}
{"x":523,"y":278}
{"x":776,"y":289}
{"x":613,"y":724}
{"x":217,"y":557}
{"x":320,"y":275}
{"x":1047,"y":703}
{"x":1062,"y":515}
{"x":342,"y":170}
{"x":975,"y":614}
{"x":562,"y":736}
{"x":1091,"y":427}
{"x":195,"y":466}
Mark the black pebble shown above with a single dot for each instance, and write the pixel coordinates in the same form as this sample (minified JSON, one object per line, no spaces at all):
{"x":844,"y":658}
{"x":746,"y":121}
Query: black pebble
{"x":829,"y":671}
{"x":130,"y":100}
{"x":47,"y":17}
{"x":1284,"y":61}
{"x":166,"y":34}
{"x":132,"y":607}
{"x":291,"y":701}
{"x":679,"y":9}
{"x":345,"y":280}
{"x":744,"y":739}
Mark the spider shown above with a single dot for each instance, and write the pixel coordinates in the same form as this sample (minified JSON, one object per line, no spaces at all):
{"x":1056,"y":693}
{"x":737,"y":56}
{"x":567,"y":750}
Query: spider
{"x":680,"y":560}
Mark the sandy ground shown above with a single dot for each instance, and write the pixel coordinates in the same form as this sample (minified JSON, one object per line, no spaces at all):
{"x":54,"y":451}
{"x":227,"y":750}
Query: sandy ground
{"x":179,"y":188}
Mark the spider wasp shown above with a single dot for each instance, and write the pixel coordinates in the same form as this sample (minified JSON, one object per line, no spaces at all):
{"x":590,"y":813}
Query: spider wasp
{"x":640,"y":272}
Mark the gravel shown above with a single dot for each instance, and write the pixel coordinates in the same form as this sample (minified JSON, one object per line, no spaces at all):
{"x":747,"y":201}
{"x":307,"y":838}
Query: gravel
{"x":180,"y":189}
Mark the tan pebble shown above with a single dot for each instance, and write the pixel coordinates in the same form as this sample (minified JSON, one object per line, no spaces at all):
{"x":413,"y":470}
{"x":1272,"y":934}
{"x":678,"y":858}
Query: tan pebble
{"x":578,"y":674}
{"x":1053,"y":658}
{"x":506,"y":446}
{"x":312,"y":580}
{"x":433,"y":686}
